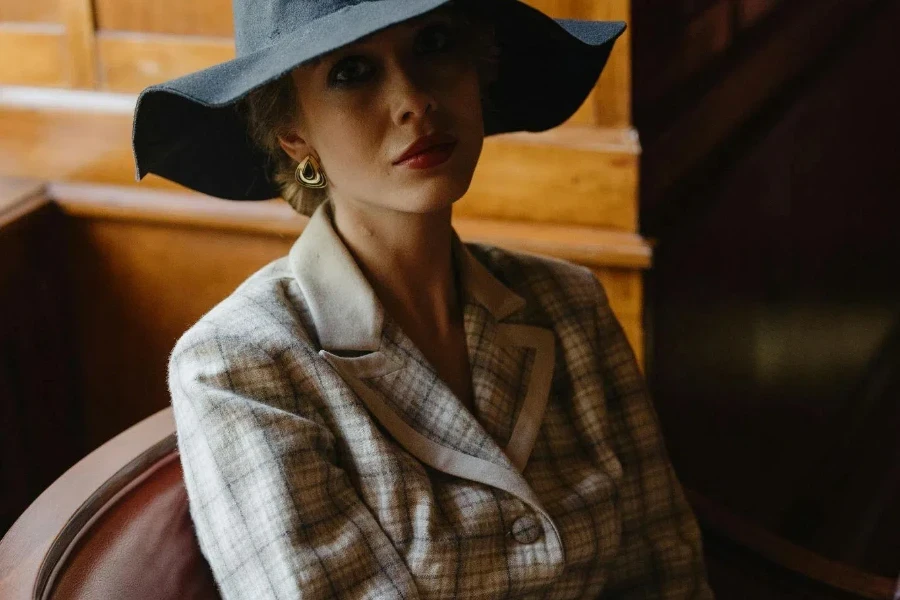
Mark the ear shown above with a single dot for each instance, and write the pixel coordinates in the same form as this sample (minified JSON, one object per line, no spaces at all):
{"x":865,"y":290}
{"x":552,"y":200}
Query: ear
{"x":294,"y":145}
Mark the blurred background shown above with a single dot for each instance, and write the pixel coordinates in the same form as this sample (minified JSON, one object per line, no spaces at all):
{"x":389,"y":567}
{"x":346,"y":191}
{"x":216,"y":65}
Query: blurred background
{"x":733,"y":180}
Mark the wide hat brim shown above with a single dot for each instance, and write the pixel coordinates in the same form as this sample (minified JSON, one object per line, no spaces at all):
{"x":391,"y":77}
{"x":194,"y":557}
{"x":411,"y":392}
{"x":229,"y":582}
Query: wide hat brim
{"x":187,"y":129}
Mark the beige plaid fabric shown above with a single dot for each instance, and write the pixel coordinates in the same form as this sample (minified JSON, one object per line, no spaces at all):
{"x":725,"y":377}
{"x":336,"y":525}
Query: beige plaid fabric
{"x":323,"y":457}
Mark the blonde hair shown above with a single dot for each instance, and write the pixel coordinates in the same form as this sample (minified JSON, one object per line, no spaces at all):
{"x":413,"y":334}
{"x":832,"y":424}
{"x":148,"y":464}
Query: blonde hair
{"x":272,"y":110}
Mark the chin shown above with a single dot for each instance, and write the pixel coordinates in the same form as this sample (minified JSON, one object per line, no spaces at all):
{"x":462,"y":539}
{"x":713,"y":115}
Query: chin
{"x":440,"y":189}
{"x":435,"y":195}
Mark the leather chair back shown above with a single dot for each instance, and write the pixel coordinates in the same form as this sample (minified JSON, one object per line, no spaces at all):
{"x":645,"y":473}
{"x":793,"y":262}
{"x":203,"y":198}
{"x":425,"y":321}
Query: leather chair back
{"x":116,"y":525}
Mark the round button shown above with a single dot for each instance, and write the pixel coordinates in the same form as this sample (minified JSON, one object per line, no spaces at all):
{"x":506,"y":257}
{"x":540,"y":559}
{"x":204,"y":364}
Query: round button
{"x":526,"y":530}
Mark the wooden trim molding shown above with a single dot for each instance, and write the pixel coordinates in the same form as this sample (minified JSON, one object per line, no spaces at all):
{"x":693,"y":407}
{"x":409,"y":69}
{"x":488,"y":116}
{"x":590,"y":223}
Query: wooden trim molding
{"x":16,"y":97}
{"x":585,"y":245}
{"x":19,"y":197}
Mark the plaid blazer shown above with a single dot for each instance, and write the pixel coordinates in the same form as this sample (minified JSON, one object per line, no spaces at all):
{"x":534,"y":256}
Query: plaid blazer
{"x":324,"y":458}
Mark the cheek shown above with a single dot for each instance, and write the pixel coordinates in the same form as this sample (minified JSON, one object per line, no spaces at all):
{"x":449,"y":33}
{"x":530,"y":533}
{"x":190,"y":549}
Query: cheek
{"x":345,"y":139}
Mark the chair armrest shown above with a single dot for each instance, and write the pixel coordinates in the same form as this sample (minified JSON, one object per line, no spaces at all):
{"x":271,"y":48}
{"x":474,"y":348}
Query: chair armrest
{"x":743,"y":556}
{"x":41,"y":537}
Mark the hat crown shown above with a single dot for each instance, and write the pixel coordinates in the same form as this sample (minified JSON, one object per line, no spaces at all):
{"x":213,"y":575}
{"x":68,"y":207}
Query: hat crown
{"x":260,"y":23}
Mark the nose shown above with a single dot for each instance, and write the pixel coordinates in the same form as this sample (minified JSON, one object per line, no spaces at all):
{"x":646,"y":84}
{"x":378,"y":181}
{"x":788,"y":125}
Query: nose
{"x":411,"y":95}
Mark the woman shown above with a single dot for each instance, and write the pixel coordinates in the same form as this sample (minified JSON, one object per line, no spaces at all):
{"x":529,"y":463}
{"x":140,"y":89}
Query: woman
{"x":388,"y":412}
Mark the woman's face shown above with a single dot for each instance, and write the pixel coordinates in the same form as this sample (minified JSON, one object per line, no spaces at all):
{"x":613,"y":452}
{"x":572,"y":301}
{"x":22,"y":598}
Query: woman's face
{"x":363,"y":105}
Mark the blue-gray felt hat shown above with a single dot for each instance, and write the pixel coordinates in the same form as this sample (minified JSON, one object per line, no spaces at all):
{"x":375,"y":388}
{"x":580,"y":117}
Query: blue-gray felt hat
{"x":188,"y":130}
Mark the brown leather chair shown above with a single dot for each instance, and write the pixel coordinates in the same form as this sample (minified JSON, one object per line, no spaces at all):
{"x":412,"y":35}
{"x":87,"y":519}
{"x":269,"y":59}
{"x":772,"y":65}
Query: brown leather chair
{"x":116,"y":526}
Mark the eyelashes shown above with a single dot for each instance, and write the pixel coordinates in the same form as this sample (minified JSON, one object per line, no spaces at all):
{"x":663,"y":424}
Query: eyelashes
{"x":433,"y":40}
{"x":348,"y":71}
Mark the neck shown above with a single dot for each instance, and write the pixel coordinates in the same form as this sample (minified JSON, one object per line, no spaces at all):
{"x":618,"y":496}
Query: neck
{"x":407,"y":258}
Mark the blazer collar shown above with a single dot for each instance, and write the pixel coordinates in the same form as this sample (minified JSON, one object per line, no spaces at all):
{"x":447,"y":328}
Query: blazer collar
{"x":346,"y":313}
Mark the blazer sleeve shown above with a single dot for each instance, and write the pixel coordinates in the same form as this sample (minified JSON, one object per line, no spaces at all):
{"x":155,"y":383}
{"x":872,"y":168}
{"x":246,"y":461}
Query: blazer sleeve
{"x":275,"y":515}
{"x":661,"y":554}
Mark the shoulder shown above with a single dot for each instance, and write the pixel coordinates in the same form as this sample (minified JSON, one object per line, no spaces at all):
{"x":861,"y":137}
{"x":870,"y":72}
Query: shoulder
{"x":249,"y":355}
{"x":557,"y":286}
{"x":266,"y":312}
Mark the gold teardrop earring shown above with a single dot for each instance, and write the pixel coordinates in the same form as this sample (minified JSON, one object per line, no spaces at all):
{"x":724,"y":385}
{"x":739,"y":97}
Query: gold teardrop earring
{"x":309,"y":173}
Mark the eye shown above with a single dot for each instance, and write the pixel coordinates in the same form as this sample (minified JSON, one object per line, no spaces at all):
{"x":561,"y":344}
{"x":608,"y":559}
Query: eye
{"x":435,"y":38}
{"x":350,"y":70}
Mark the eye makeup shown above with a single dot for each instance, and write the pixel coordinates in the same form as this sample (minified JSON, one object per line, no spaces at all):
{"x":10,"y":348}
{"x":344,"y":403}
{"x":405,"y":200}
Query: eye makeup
{"x":435,"y":37}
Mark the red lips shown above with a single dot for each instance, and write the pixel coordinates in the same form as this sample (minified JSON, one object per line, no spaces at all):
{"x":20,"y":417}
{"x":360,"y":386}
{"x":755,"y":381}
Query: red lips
{"x":425,"y":143}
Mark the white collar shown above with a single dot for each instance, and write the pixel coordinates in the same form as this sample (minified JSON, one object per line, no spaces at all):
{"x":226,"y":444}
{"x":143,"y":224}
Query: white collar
{"x":346,"y":312}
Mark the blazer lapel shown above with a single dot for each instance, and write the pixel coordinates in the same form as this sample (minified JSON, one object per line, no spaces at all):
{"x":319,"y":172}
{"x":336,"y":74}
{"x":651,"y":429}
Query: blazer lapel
{"x":512,"y":368}
{"x":511,"y":364}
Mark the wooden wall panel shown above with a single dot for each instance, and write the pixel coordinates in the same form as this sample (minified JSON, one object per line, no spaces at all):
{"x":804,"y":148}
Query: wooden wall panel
{"x":68,"y":146}
{"x":175,"y":17}
{"x":585,"y":176}
{"x":33,"y":11}
{"x":33,"y":55}
{"x":128,"y":63}
{"x":141,"y":43}
{"x":47,"y":44}
{"x":164,"y":278}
